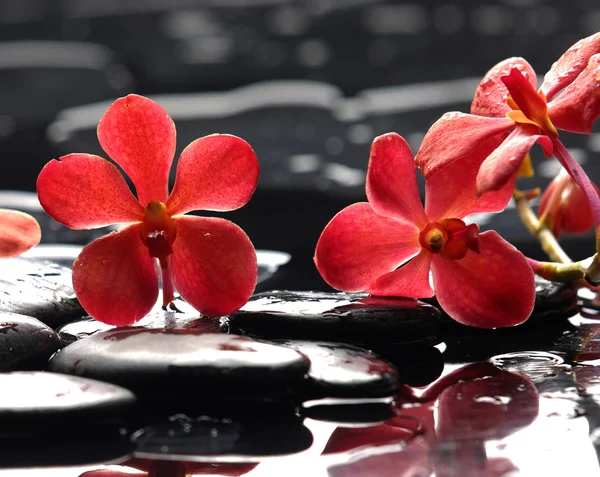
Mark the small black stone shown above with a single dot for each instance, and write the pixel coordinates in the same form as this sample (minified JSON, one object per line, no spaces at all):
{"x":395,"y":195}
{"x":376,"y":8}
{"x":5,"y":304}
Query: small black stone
{"x":40,"y":289}
{"x":339,"y":317}
{"x":37,"y":403}
{"x":25,"y":343}
{"x":342,"y":370}
{"x":169,"y":363}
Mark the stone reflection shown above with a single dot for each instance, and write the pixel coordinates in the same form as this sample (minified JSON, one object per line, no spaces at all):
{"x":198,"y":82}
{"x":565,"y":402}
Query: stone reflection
{"x":442,"y":430}
{"x":164,"y":468}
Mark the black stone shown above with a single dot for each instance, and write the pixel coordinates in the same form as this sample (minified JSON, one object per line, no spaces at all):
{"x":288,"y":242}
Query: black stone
{"x":553,"y":299}
{"x":37,"y":403}
{"x":58,"y":450}
{"x":415,"y":365}
{"x":342,"y":370}
{"x":174,"y":363}
{"x":340,"y":317}
{"x":40,"y":289}
{"x":259,"y":434}
{"x":185,"y":318}
{"x":25,"y":343}
{"x":350,"y":413}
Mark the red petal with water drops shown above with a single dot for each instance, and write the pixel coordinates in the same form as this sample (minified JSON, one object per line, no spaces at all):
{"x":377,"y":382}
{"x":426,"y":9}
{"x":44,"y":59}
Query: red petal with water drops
{"x":570,"y":65}
{"x":139,"y":135}
{"x":214,"y":264}
{"x":84,"y":191}
{"x":410,"y":280}
{"x":18,"y":233}
{"x":358,"y":246}
{"x":115,"y":278}
{"x":391,"y":180}
{"x":456,"y":135}
{"x":491,"y":289}
{"x":217,"y":172}
{"x":577,"y":107}
{"x":490,"y":96}
{"x":451,"y":192}
{"x":502,"y":165}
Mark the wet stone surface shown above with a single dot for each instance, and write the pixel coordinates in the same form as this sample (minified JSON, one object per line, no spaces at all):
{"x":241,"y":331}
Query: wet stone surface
{"x":254,"y":433}
{"x":34,"y":403}
{"x":40,"y":289}
{"x":553,"y":299}
{"x":25,"y":343}
{"x":340,"y":317}
{"x":352,"y":413}
{"x":185,"y":318}
{"x":341,"y":370}
{"x":184,"y":363}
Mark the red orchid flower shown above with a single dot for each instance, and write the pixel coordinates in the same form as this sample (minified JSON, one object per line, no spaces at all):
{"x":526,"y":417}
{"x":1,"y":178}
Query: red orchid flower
{"x":479,"y":279}
{"x":507,"y":109}
{"x":564,"y":206}
{"x":211,"y":261}
{"x":18,"y":233}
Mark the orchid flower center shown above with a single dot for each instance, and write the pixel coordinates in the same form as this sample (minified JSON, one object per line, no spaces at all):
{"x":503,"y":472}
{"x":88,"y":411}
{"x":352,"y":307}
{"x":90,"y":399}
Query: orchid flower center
{"x":450,"y":238}
{"x":528,"y":106}
{"x":158,"y":231}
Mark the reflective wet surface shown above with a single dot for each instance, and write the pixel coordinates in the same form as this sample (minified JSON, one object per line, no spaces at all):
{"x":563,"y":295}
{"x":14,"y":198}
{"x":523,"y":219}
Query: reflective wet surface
{"x":394,"y":388}
{"x":521,"y":412}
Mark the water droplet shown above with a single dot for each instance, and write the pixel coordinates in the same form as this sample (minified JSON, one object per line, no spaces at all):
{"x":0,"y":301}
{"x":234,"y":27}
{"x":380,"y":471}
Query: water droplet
{"x":104,"y":262}
{"x":528,"y":358}
{"x":497,"y":400}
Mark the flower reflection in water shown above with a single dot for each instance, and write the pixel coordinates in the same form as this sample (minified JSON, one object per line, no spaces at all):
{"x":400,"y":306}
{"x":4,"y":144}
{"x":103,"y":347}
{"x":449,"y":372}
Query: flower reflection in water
{"x":443,"y":429}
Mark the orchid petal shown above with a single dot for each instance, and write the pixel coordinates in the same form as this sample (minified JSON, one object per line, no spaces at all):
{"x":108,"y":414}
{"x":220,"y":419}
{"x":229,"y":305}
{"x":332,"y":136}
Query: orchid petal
{"x":451,"y":192}
{"x":391,"y":180}
{"x":492,"y":289}
{"x":577,"y":217}
{"x":577,"y":107}
{"x":502,"y":165}
{"x":213,"y":264}
{"x":358,"y":246}
{"x":454,"y":136}
{"x":570,"y":65}
{"x":139,"y":136}
{"x":410,"y":280}
{"x":18,"y":233}
{"x":491,"y":94}
{"x":217,"y":172}
{"x":115,"y":278}
{"x":570,"y":211}
{"x":84,"y":191}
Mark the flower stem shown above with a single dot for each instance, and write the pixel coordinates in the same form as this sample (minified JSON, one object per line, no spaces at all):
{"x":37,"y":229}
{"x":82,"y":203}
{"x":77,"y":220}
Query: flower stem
{"x":560,"y":272}
{"x":545,"y":236}
{"x":583,"y":181}
{"x":167,"y":283}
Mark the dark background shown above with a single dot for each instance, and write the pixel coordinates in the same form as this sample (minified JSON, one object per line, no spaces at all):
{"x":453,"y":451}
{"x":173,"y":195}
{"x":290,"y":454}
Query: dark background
{"x":308,"y":83}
